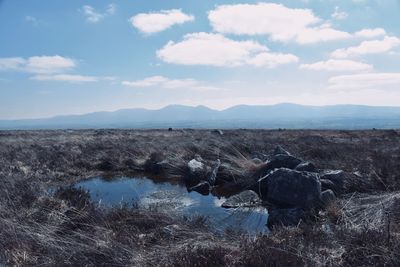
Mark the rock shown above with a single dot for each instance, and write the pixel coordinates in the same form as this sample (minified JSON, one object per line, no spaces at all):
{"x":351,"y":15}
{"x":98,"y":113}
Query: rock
{"x":336,"y":177}
{"x":259,"y":155}
{"x":262,"y":187}
{"x":306,"y":167}
{"x":327,"y":184}
{"x":327,"y":197}
{"x":224,"y":174}
{"x":289,"y":188}
{"x":280,"y":151}
{"x":283,"y":161}
{"x":197,"y":171}
{"x":170,"y":129}
{"x":246,"y":198}
{"x":257,"y":161}
{"x":155,"y":163}
{"x":285,"y":217}
{"x":195,"y":166}
{"x":105,"y":165}
{"x":219,"y":132}
{"x":202,"y":188}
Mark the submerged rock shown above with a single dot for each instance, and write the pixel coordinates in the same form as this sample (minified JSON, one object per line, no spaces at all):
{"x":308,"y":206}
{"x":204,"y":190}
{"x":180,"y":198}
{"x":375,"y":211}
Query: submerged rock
{"x":246,"y":198}
{"x":165,"y":200}
{"x":202,"y":188}
{"x":285,"y":217}
{"x":306,"y":166}
{"x":289,"y":188}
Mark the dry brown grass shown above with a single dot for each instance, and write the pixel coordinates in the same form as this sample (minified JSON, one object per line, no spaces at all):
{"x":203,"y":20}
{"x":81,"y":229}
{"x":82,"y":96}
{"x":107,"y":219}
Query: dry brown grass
{"x":65,"y":229}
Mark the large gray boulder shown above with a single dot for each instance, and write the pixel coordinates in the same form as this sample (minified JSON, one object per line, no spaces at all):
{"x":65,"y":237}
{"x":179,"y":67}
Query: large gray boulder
{"x":246,"y":198}
{"x":288,"y":188}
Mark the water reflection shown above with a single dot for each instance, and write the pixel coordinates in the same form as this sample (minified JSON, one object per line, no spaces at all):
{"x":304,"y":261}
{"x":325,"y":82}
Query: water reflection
{"x":175,"y":199}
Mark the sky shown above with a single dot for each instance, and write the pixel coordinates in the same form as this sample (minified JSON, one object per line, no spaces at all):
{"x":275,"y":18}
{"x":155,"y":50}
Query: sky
{"x":74,"y":57}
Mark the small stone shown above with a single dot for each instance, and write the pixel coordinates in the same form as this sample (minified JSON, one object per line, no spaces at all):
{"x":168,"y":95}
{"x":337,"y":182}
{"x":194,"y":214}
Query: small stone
{"x":279,"y":150}
{"x":306,"y":167}
{"x":328,"y":197}
{"x":202,"y":188}
{"x":283,"y":161}
{"x":257,"y":161}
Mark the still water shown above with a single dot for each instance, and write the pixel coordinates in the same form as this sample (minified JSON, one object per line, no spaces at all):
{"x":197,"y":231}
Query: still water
{"x":174,"y":199}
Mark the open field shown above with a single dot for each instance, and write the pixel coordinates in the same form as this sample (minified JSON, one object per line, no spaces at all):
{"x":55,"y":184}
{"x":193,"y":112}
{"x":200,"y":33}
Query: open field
{"x":360,"y":228}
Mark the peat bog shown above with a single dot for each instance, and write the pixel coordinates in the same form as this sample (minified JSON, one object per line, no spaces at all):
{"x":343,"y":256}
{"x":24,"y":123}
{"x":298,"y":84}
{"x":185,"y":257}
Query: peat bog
{"x":360,"y":226}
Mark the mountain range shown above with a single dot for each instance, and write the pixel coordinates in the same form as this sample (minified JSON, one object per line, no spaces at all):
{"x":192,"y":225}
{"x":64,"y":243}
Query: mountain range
{"x":291,"y":116}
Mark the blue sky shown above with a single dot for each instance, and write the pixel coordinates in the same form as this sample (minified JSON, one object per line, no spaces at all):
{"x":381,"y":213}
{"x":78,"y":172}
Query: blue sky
{"x":72,"y":57}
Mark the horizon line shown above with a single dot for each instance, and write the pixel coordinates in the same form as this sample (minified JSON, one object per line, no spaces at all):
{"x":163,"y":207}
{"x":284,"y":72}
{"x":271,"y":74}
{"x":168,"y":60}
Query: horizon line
{"x":195,"y":106}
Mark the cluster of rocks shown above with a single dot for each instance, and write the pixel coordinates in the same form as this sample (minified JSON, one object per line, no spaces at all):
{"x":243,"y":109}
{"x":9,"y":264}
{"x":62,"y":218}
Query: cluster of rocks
{"x":294,"y":187}
{"x":291,"y":187}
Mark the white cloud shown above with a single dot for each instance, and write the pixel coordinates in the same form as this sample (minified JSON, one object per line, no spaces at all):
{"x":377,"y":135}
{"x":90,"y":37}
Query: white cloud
{"x":65,"y":78}
{"x":275,"y":20}
{"x":11,"y":63}
{"x":93,"y":16}
{"x":339,"y":15}
{"x":217,"y":50}
{"x":49,"y":64}
{"x":47,"y":68}
{"x":337,"y":65}
{"x":163,"y":82}
{"x":368,"y":47}
{"x":31,"y":19}
{"x":38,"y":64}
{"x":379,"y":81}
{"x":160,"y":21}
{"x":111,"y":9}
{"x":370,"y":33}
